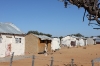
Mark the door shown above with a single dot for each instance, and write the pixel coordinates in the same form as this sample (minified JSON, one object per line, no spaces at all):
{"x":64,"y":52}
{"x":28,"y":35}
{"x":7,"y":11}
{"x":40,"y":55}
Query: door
{"x":8,"y":46}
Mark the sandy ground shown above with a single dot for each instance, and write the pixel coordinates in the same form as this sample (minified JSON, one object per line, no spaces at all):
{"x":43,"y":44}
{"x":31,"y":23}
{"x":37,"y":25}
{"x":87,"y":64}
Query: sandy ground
{"x":82,"y":57}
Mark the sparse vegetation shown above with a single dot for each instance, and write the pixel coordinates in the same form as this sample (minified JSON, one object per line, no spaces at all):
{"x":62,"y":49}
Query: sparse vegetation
{"x":39,"y":33}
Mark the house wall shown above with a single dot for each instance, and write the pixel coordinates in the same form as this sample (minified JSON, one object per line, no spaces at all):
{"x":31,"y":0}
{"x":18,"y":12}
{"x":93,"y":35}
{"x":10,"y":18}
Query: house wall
{"x":8,"y":46}
{"x":18,"y":48}
{"x":90,"y":41}
{"x":85,"y":42}
{"x":31,"y":44}
{"x":2,"y":46}
{"x":49,"y":46}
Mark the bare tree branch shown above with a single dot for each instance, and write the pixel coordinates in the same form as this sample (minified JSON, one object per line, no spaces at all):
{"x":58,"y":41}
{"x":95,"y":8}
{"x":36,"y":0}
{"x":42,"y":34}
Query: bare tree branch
{"x":91,"y":6}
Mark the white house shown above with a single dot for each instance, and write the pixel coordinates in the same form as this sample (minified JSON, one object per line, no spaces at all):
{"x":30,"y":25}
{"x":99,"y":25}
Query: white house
{"x":72,"y":41}
{"x":69,"y":41}
{"x":90,"y":41}
{"x":66,"y":41}
{"x":55,"y":44}
{"x":81,"y":42}
{"x":11,"y":40}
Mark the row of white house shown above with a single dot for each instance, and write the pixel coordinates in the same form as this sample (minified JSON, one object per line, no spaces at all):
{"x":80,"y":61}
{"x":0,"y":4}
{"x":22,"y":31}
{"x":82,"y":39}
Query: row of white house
{"x":12,"y":39}
{"x":71,"y":41}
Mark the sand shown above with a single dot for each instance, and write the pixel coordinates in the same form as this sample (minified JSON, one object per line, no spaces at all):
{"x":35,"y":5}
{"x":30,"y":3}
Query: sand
{"x":82,"y":57}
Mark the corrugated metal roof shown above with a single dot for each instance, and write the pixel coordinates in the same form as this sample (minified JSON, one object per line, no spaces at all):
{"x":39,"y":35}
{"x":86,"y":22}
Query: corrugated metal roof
{"x":43,"y":37}
{"x":9,"y":28}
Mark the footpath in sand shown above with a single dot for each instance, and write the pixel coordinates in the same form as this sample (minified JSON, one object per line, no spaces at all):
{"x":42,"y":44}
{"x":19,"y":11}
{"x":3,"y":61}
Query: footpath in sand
{"x":82,"y":57}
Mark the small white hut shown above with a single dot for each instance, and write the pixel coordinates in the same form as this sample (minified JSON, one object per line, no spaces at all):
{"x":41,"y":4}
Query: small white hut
{"x":66,"y":41}
{"x":81,"y":42}
{"x":90,"y":41}
{"x":55,"y":44}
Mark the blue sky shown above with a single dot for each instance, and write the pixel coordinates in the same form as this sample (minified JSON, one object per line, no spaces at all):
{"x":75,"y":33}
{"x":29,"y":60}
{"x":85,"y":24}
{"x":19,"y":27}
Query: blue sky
{"x":47,"y":16}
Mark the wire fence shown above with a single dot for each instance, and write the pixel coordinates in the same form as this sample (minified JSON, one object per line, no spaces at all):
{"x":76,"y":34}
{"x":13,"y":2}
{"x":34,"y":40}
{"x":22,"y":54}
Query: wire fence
{"x":52,"y":62}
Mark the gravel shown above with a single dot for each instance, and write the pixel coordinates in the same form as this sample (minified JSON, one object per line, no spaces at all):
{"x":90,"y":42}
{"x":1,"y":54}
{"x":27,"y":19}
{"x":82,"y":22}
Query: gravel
{"x":7,"y":59}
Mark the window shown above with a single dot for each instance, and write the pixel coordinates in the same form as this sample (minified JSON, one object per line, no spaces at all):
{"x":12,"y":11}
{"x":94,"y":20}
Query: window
{"x":0,"y":39}
{"x":18,"y":40}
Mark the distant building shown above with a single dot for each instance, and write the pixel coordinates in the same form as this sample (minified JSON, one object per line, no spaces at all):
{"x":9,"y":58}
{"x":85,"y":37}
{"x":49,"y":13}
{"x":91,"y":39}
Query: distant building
{"x":97,"y":40}
{"x":90,"y":41}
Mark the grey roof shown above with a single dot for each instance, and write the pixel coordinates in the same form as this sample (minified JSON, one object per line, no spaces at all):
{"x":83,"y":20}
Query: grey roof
{"x":43,"y":37}
{"x":97,"y":39}
{"x":9,"y":28}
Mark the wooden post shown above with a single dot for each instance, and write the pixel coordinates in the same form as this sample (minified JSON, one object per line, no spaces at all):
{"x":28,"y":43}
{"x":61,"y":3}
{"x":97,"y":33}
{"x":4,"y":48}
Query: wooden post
{"x":51,"y":61}
{"x":72,"y":62}
{"x":11,"y":60}
{"x":46,"y":48}
{"x":33,"y":58}
{"x":92,"y":62}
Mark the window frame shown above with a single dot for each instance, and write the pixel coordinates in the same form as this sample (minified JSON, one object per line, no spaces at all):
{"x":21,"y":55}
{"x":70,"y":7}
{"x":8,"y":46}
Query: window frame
{"x":18,"y":40}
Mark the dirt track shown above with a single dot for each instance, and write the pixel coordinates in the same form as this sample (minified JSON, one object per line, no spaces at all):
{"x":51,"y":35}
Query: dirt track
{"x":82,"y":57}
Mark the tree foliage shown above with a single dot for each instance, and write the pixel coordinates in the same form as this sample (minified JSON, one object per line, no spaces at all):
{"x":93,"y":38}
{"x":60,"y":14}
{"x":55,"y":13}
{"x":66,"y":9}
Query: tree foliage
{"x":92,"y":7}
{"x":39,"y":33}
{"x":91,"y":36}
{"x":98,"y":36}
{"x":61,"y":37}
{"x":77,"y":35}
